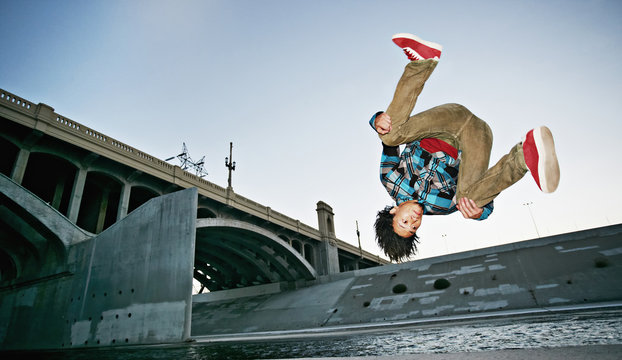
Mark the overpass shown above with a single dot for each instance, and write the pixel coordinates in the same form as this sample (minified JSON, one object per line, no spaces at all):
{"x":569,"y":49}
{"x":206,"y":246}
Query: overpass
{"x":102,"y":241}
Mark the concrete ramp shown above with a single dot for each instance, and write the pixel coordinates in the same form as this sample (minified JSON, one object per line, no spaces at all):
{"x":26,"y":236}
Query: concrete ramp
{"x":307,"y":307}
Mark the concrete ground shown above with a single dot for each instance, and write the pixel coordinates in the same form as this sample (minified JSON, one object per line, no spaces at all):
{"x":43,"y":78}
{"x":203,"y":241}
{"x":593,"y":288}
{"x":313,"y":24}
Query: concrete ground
{"x":600,"y":352}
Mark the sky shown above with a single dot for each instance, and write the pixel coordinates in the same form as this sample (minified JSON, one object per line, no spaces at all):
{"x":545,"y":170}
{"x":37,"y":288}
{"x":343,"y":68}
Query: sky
{"x":293,"y":84}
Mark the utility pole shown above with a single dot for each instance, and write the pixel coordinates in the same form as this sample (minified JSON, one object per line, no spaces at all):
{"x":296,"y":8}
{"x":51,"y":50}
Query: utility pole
{"x":186,"y":162}
{"x":229,"y":163}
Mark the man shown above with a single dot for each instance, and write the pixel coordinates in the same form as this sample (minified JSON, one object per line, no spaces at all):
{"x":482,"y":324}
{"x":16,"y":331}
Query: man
{"x":444,"y":165}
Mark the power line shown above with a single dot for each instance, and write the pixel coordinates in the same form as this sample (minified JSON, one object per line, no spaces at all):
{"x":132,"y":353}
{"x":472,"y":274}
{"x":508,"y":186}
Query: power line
{"x":186,"y":162}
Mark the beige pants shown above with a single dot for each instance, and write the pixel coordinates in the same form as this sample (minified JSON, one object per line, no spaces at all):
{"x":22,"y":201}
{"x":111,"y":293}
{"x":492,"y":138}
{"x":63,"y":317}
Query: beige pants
{"x":456,"y":125}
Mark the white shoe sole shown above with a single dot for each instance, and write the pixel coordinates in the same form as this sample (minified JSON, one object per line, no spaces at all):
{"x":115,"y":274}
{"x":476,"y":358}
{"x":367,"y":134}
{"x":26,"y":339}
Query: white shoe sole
{"x":548,"y":166}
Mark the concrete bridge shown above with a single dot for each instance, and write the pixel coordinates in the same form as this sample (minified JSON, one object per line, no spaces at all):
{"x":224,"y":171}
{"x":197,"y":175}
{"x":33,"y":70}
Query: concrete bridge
{"x":93,"y":231}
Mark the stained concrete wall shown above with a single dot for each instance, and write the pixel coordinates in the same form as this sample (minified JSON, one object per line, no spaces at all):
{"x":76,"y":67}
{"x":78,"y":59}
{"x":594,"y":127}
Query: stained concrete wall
{"x":131,"y":284}
{"x":575,"y":268}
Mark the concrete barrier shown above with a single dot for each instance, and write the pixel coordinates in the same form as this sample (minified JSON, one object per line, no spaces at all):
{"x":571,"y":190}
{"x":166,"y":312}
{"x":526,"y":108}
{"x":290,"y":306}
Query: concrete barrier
{"x":575,"y":268}
{"x":131,"y":284}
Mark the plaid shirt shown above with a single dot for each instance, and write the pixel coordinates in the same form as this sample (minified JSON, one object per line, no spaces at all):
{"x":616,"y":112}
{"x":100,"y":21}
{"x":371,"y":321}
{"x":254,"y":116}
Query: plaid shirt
{"x":428,"y":178}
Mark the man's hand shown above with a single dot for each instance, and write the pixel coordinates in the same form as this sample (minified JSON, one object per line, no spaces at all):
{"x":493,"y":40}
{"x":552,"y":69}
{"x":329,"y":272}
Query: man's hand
{"x":469,"y":209}
{"x":382,"y":123}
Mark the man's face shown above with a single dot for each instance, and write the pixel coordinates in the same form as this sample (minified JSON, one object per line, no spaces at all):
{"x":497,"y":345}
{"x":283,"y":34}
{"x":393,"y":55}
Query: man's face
{"x":406,"y":218}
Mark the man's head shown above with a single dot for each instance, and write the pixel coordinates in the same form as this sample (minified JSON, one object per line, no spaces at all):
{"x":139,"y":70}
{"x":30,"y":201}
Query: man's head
{"x":396,"y":229}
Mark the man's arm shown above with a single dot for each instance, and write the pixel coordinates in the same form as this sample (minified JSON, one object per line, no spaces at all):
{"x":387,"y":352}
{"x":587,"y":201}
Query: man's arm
{"x":390,"y":159}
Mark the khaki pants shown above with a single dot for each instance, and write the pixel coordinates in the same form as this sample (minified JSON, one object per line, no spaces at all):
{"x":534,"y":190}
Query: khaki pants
{"x":456,"y":125}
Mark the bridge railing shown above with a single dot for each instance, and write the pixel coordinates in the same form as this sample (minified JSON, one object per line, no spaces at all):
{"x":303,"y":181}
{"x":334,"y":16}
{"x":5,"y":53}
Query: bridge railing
{"x":17,"y":102}
{"x":74,"y":132}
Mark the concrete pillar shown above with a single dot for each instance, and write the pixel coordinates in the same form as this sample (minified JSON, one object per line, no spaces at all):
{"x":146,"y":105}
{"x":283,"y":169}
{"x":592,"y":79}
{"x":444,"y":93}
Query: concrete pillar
{"x":325,"y":215}
{"x":76,"y":196}
{"x":103,"y":208}
{"x":328,"y":262}
{"x":58,"y":192}
{"x":19,"y":169}
{"x":124,"y":201}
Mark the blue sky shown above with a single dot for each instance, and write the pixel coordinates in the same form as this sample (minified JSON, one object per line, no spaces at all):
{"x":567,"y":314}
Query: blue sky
{"x":293,"y":83}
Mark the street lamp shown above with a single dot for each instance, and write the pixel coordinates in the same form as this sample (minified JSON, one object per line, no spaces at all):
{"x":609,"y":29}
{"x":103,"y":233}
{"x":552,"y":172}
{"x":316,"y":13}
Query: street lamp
{"x":230,"y":165}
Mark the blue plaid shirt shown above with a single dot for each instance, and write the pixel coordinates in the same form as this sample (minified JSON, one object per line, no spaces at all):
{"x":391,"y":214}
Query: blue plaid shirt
{"x":428,"y":178}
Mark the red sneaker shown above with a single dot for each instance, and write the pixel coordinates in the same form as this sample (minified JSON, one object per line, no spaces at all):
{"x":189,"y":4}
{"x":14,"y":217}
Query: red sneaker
{"x":540,"y":157}
{"x":416,"y":48}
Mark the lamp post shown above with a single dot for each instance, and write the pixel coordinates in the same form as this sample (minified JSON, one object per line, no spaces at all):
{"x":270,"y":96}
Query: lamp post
{"x":229,"y":164}
{"x":530,"y":214}
{"x":358,"y":235}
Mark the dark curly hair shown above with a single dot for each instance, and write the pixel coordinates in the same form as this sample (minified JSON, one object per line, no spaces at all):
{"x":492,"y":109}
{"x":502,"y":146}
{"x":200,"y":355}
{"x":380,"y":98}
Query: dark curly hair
{"x":397,"y":248}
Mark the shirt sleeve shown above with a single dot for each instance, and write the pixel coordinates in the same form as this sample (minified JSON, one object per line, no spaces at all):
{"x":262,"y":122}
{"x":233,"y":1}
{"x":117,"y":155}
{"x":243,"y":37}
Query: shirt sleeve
{"x":389,"y":161}
{"x":487,"y":211}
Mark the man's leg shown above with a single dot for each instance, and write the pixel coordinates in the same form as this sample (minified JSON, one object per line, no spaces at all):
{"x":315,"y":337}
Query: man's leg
{"x":475,"y":180}
{"x":405,"y":97}
{"x":536,"y":154}
{"x":443,"y":122}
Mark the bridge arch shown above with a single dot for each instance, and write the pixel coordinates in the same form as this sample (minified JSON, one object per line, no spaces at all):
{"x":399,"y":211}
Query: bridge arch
{"x":9,"y":153}
{"x":34,"y":236}
{"x":206,"y":212}
{"x":59,"y":174}
{"x":297,"y":245}
{"x":232,"y":253}
{"x":100,"y":201}
{"x":140,"y":194}
{"x":309,"y":254}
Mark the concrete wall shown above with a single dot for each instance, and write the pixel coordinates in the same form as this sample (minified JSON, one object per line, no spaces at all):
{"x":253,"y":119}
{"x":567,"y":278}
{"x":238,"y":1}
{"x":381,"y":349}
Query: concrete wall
{"x":131,"y":284}
{"x":575,"y":268}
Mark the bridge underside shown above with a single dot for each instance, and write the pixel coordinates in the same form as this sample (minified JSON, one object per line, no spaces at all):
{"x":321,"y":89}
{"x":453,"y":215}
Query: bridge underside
{"x":232,"y":254}
{"x":80,"y":283}
{"x":33,"y":244}
{"x":35,"y":240}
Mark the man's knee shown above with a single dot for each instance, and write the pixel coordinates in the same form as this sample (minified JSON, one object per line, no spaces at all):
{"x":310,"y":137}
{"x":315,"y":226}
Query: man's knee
{"x":458,"y":111}
{"x":472,"y":123}
{"x":484,"y":129}
{"x":393,"y":138}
